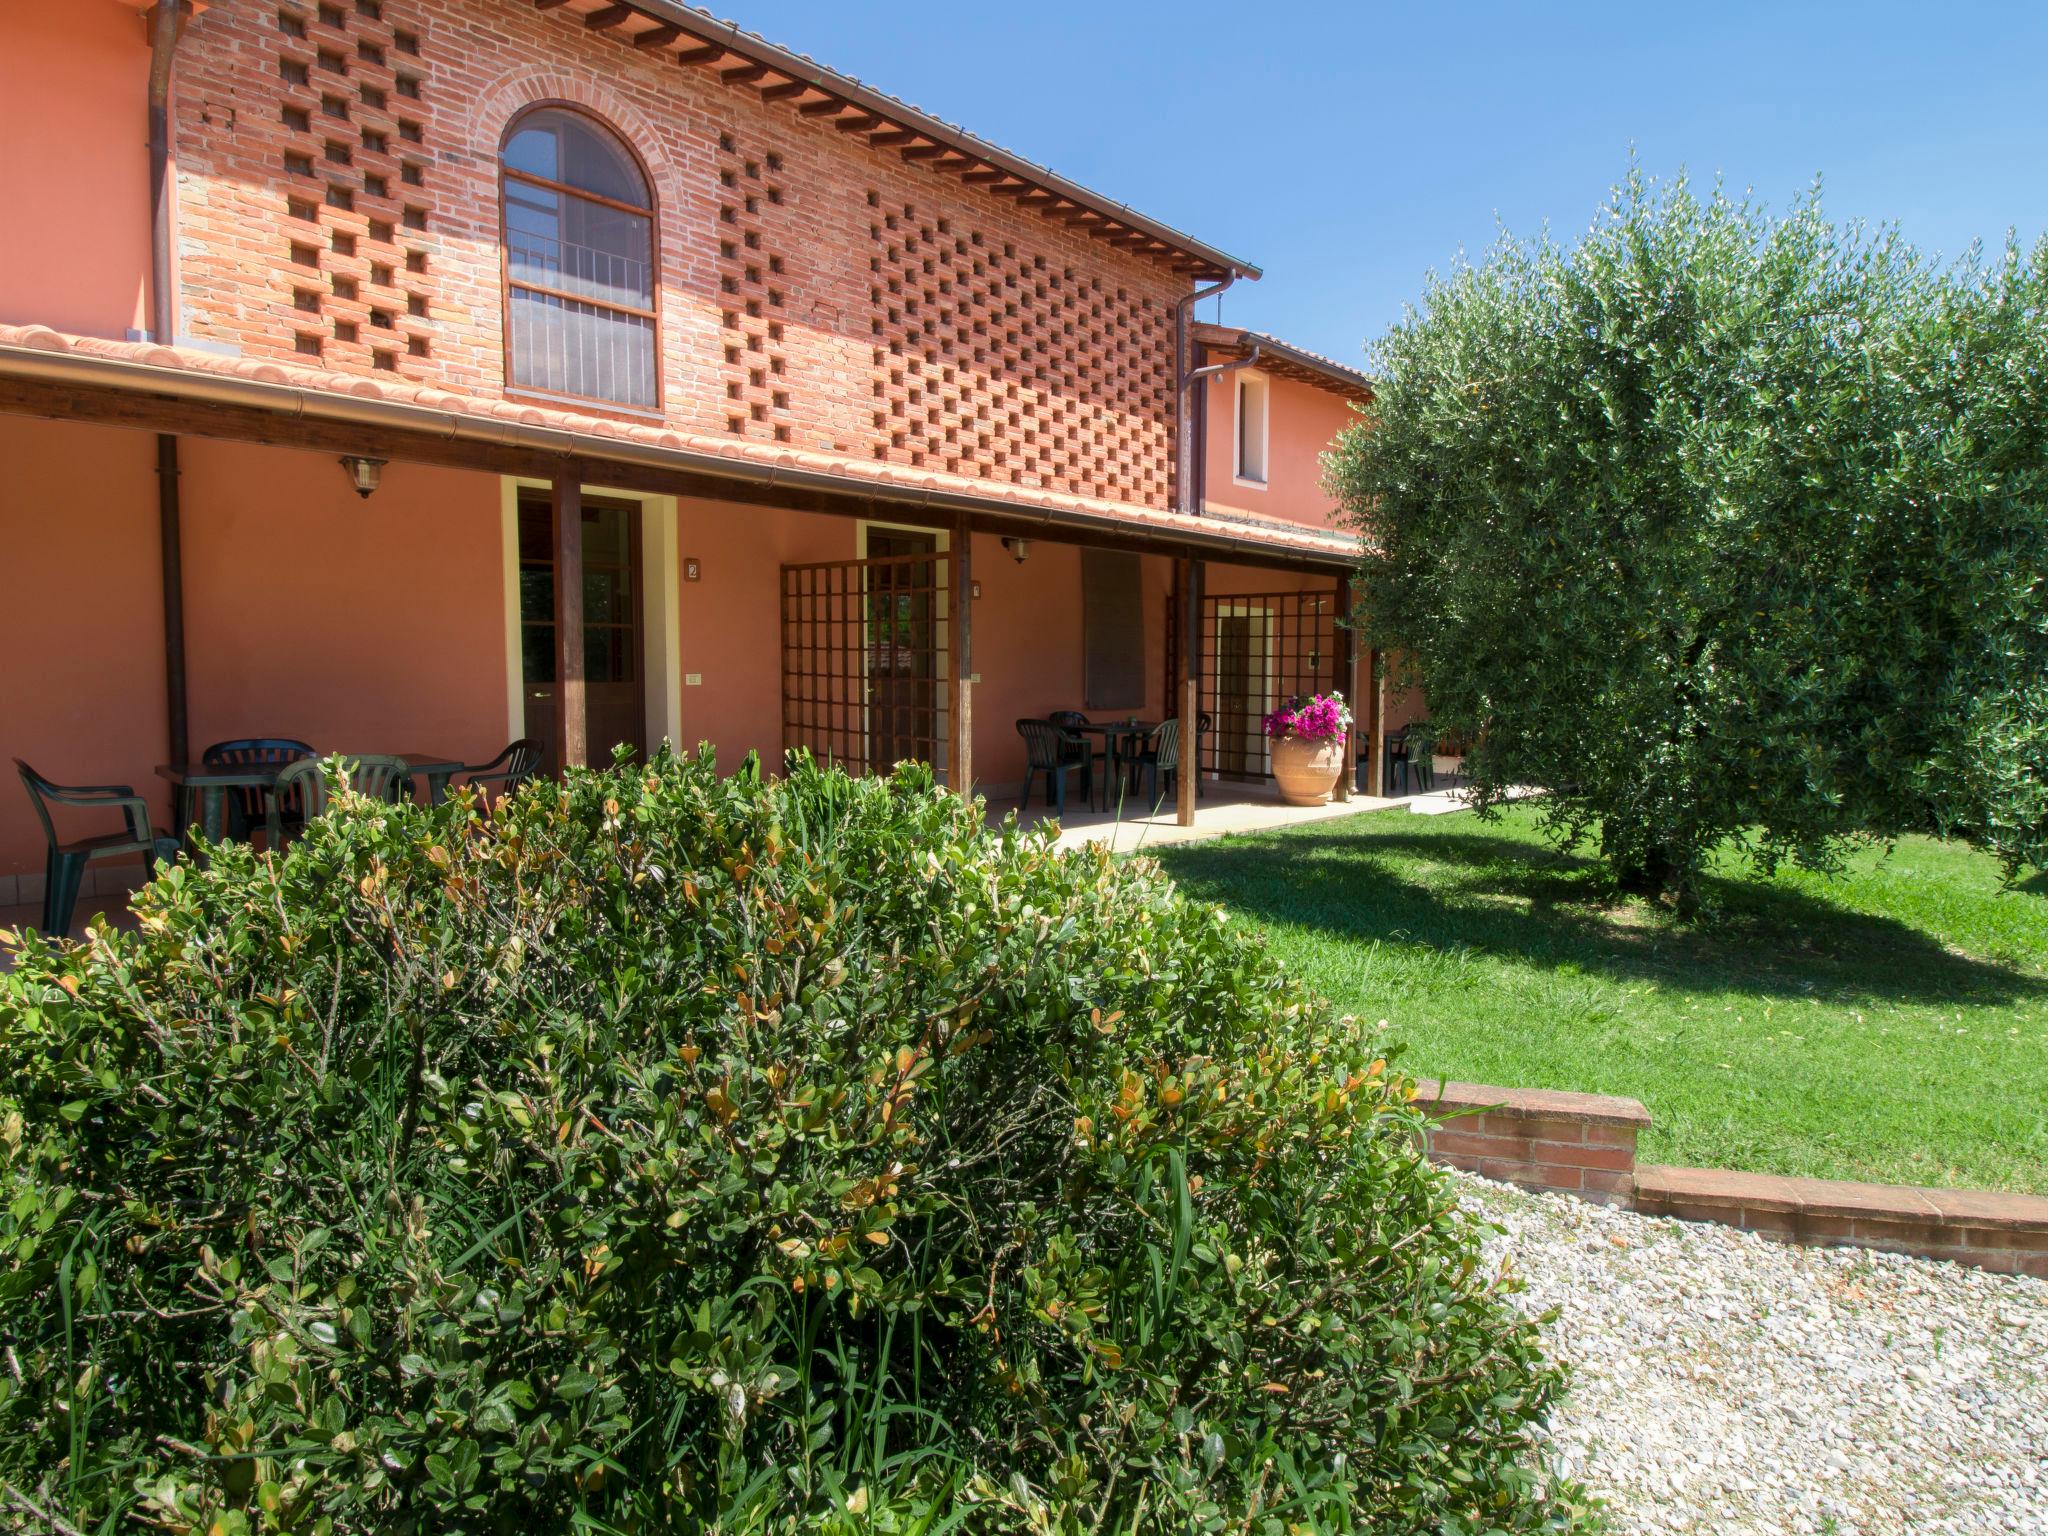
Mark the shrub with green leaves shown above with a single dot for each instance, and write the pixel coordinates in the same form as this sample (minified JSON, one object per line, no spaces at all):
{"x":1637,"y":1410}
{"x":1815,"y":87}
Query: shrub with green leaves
{"x":668,"y":1152}
{"x":1723,"y":525}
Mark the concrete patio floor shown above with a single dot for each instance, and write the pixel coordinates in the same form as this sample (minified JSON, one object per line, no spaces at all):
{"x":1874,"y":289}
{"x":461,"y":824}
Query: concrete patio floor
{"x":1223,"y":810}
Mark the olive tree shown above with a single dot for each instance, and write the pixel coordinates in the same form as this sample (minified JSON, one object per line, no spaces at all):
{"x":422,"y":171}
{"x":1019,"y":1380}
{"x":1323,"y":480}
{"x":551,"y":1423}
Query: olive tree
{"x":1718,"y":525}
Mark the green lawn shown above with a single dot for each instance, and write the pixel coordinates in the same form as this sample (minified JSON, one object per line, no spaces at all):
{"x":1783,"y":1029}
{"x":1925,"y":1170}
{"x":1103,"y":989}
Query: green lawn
{"x":1888,"y":1024}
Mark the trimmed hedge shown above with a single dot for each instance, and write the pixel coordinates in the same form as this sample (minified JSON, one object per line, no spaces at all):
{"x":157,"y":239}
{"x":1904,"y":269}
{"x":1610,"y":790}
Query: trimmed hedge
{"x":669,"y":1152}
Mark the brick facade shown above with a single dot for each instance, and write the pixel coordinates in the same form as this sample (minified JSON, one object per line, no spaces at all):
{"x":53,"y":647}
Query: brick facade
{"x":339,"y":204}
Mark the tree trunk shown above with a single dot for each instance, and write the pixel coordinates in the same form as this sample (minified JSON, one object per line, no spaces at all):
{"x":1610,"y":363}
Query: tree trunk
{"x":1646,"y":867}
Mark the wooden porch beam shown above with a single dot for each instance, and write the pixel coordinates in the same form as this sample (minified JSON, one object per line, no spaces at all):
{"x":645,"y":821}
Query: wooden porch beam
{"x":710,"y":53}
{"x":1186,"y":778}
{"x":1347,"y":684}
{"x":610,"y":16}
{"x":1376,"y":729}
{"x":960,"y":763}
{"x":171,"y":560}
{"x":656,"y":37}
{"x":825,"y":108}
{"x":744,"y":74}
{"x":785,"y":91}
{"x":572,"y":725}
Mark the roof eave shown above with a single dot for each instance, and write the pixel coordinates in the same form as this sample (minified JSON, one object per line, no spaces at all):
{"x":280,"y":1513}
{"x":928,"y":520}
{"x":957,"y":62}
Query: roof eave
{"x":1349,"y":381}
{"x":435,"y":429}
{"x":731,"y":37}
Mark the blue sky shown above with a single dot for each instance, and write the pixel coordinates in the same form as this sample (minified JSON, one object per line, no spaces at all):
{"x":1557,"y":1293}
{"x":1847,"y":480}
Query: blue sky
{"x":1347,"y":148}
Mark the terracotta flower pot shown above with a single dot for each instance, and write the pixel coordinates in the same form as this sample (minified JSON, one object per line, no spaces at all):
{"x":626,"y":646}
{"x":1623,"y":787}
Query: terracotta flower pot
{"x":1306,"y":771}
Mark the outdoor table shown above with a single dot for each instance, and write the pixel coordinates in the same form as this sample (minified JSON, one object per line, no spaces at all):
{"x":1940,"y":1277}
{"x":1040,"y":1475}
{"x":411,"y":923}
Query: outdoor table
{"x":435,"y":769}
{"x":209,"y":783}
{"x":1115,"y":734}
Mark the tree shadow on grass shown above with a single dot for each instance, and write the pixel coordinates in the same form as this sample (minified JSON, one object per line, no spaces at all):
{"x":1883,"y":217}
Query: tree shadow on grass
{"x":2034,"y":885}
{"x":1517,"y":900}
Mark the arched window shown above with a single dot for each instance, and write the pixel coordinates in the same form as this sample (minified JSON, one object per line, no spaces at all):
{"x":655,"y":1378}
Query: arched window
{"x":579,"y":262}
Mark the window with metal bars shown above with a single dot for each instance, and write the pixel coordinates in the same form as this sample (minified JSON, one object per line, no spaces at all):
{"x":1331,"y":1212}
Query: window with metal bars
{"x":582,"y":315}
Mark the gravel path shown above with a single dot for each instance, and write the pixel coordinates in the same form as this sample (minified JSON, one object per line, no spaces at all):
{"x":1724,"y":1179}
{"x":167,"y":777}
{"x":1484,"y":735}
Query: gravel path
{"x":1724,"y":1383}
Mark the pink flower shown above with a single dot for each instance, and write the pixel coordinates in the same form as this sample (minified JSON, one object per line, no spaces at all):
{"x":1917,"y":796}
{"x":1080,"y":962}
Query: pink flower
{"x":1319,"y":717}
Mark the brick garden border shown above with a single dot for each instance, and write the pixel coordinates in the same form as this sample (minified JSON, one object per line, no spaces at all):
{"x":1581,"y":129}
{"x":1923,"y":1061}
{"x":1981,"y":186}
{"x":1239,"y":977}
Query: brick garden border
{"x":1584,"y":1144}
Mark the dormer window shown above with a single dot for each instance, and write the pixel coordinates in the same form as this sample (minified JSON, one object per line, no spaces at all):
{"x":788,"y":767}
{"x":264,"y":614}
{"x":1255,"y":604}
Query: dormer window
{"x":579,"y":262}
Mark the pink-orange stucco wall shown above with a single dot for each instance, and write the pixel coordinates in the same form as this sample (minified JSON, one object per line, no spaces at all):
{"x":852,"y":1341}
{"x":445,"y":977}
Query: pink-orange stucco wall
{"x":1301,"y":421}
{"x":360,"y":626}
{"x":73,"y":103}
{"x":81,"y":619}
{"x":730,"y":621}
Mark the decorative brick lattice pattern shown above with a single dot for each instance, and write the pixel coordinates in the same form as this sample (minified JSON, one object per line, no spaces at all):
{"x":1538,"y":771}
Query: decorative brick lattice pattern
{"x":354,"y":141}
{"x":991,"y":360}
{"x":338,"y":204}
{"x":753,"y":292}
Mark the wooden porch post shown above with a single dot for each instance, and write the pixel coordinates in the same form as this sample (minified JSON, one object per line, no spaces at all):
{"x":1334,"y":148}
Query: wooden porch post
{"x":1347,"y":684}
{"x":572,"y":726}
{"x":960,"y":763}
{"x":171,"y":559}
{"x":1184,"y":778}
{"x":1376,"y":735}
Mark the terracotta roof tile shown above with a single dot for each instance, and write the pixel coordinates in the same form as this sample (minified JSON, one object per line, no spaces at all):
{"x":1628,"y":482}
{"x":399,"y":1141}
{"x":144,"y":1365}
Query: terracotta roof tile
{"x":1286,"y":357}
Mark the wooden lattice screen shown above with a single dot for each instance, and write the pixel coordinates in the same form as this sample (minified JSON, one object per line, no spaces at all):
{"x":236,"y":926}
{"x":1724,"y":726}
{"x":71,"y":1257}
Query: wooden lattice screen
{"x":1259,"y":648}
{"x":865,"y":682}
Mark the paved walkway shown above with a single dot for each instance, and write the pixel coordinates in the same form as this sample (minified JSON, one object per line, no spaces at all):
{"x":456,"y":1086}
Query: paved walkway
{"x":1223,"y":809}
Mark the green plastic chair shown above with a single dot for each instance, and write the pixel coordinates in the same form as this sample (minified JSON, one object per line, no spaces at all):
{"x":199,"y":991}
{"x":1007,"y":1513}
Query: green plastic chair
{"x":250,"y":805}
{"x":508,"y":770}
{"x":1422,"y":753}
{"x":1051,"y":750}
{"x":64,"y":868}
{"x":1161,"y":760}
{"x":379,"y":778}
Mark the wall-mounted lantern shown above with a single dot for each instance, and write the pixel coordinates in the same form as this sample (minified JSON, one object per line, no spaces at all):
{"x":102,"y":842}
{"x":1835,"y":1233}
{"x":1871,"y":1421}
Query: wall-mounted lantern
{"x":363,"y":473}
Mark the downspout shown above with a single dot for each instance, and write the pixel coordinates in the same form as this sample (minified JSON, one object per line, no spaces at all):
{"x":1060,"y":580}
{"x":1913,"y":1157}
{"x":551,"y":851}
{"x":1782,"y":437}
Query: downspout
{"x":166,"y":26}
{"x":1184,"y":435}
{"x":1202,"y":375}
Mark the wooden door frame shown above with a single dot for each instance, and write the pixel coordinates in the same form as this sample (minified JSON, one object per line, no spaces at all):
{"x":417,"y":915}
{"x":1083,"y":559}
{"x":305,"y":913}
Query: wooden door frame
{"x":660,"y":544}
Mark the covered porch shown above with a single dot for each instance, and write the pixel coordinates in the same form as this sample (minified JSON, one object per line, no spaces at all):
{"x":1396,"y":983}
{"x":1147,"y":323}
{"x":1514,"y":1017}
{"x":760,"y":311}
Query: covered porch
{"x":195,"y":561}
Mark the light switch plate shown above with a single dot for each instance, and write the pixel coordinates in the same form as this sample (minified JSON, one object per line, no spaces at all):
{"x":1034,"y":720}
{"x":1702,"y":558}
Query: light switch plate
{"x":693,"y":679}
